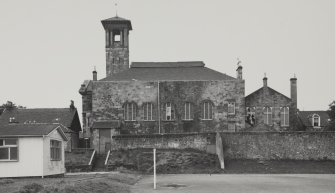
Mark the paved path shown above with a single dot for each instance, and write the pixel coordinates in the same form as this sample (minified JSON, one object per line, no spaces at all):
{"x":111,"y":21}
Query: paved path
{"x":231,"y":183}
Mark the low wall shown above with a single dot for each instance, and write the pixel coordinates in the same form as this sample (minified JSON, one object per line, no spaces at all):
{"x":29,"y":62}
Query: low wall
{"x":198,"y":141}
{"x":279,"y":145}
{"x":242,"y":145}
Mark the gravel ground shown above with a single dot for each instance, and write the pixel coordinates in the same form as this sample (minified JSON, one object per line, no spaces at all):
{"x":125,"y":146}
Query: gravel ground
{"x":110,"y":183}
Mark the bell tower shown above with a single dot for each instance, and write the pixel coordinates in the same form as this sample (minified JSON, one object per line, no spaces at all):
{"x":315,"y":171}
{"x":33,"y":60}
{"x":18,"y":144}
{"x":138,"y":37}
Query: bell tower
{"x":117,"y":44}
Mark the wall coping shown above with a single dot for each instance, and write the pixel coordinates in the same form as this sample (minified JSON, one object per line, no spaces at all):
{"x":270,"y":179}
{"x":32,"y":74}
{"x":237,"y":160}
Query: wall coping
{"x":179,"y":135}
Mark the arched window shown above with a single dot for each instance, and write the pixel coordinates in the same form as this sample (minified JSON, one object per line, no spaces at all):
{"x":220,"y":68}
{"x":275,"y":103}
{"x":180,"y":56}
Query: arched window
{"x":284,"y":116}
{"x":251,"y":118}
{"x":267,"y":111}
{"x":169,"y":111}
{"x":206,"y":110}
{"x":130,"y":110}
{"x":188,"y":109}
{"x":316,"y":120}
{"x":147,"y":111}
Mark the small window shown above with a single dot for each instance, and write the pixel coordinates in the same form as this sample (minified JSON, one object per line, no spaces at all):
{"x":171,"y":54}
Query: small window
{"x":207,"y":110}
{"x":188,"y":111}
{"x":169,"y":111}
{"x":116,"y":36}
{"x":231,"y":127}
{"x":55,"y":150}
{"x":268,"y":115}
{"x":231,"y":108}
{"x":8,"y":150}
{"x":284,"y":116}
{"x":147,"y":111}
{"x":316,"y":120}
{"x":130,"y":110}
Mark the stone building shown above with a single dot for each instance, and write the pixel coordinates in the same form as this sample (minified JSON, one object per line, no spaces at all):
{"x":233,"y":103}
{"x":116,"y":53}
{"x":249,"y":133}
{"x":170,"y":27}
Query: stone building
{"x":269,"y":110}
{"x":157,"y":97}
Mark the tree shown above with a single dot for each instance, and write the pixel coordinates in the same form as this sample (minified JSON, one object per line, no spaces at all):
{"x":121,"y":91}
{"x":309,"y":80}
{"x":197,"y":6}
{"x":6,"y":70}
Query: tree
{"x":9,"y":105}
{"x":331,"y":113}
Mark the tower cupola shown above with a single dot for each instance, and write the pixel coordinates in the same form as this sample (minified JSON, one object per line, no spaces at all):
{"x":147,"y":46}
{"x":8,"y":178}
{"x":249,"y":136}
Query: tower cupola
{"x":117,"y":44}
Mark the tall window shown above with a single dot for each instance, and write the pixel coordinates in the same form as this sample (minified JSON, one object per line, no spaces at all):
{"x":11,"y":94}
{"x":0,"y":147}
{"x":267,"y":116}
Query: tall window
{"x":284,"y":116}
{"x":268,"y":115}
{"x":130,"y":110}
{"x":169,"y":111}
{"x":316,"y":120}
{"x":188,"y":111}
{"x":207,"y":110}
{"x":231,"y":108}
{"x":251,"y":119}
{"x":147,"y":111}
{"x":55,"y":150}
{"x":8,"y":149}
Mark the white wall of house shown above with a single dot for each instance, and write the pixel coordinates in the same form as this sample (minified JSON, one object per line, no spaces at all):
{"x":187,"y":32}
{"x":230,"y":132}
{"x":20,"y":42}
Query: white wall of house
{"x":53,"y":167}
{"x":30,"y":159}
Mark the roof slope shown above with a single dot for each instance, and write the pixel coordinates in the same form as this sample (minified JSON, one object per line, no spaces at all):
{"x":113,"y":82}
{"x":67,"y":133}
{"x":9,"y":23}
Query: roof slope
{"x":28,"y":129}
{"x":64,"y":116}
{"x":270,"y":90}
{"x":173,"y":71}
{"x":306,"y":117}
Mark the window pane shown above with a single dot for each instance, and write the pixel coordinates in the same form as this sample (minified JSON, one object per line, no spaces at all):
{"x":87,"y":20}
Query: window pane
{"x":4,"y":153}
{"x":1,"y":142}
{"x":145,"y":111}
{"x":209,"y":110}
{"x":10,"y":141}
{"x":13,"y":153}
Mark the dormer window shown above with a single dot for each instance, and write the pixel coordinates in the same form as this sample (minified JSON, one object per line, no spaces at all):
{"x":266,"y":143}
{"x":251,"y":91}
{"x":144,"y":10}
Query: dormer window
{"x":316,"y":120}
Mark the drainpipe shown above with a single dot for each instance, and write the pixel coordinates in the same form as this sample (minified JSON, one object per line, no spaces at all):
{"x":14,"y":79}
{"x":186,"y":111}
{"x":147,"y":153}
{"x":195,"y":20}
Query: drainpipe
{"x":43,"y":156}
{"x":159,"y":110}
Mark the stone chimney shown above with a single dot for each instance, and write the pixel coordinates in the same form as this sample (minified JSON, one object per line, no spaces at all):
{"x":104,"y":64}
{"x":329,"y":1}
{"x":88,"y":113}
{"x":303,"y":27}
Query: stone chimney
{"x":72,"y":107}
{"x":265,"y":81}
{"x":95,"y":75}
{"x":294,"y":92}
{"x":239,"y":72}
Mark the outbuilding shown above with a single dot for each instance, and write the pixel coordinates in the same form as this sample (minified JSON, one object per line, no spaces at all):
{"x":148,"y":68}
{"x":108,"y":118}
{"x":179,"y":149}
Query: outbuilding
{"x":32,"y":150}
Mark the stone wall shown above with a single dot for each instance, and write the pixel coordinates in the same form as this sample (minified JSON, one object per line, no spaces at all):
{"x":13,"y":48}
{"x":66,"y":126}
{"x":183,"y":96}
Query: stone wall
{"x":267,"y":97}
{"x":164,"y":141}
{"x":243,"y":145}
{"x":279,"y":145}
{"x":108,"y":99}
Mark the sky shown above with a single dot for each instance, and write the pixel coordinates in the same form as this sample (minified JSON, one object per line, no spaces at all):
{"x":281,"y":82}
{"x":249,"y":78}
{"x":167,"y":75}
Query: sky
{"x":48,"y":48}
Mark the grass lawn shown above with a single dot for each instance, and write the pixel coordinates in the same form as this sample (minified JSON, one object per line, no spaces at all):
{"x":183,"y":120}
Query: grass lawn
{"x":110,"y":183}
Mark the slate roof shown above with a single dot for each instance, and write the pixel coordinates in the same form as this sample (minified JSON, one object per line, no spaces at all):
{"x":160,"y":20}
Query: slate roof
{"x":116,"y":20}
{"x":23,"y":130}
{"x":64,"y":116}
{"x":168,"y":71}
{"x":306,"y":117}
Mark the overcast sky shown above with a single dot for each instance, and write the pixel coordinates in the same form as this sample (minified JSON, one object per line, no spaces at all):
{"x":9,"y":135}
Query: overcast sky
{"x":48,"y":48}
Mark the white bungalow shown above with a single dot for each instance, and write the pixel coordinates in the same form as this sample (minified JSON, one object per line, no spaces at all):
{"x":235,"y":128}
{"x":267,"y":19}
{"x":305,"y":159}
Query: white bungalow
{"x":32,"y":150}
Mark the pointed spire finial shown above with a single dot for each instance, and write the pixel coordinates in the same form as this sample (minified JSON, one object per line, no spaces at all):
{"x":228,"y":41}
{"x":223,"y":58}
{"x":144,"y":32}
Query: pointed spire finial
{"x":116,"y":9}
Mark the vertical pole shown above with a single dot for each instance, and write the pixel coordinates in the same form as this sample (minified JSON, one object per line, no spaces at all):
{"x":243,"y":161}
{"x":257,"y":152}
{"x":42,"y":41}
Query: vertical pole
{"x":159,"y":110}
{"x":154,"y":168}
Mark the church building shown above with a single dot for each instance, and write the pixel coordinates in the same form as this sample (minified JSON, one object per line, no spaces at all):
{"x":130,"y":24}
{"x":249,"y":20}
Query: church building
{"x":157,"y":97}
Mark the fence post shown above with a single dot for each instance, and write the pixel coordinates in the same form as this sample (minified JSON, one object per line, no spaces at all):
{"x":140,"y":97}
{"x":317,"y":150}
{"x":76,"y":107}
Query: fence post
{"x":154,"y":168}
